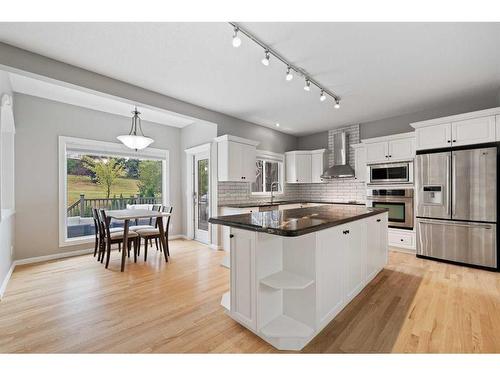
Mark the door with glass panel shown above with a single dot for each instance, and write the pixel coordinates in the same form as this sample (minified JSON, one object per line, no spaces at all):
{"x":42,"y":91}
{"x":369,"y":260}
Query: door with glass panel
{"x":201,"y":196}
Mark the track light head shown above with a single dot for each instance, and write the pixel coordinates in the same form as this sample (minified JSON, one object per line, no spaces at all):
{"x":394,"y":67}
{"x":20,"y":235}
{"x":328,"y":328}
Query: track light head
{"x":307,"y":86}
{"x":289,"y":75}
{"x":265,"y":60}
{"x":322,"y":96}
{"x":337,"y":104}
{"x":236,"y":38}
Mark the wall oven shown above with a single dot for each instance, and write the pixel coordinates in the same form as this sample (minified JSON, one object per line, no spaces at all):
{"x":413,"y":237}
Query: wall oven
{"x":391,"y":173}
{"x":398,"y":201}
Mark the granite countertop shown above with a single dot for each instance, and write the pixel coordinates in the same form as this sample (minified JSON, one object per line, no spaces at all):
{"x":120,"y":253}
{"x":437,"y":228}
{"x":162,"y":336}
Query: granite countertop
{"x":278,"y":202}
{"x":299,"y":221}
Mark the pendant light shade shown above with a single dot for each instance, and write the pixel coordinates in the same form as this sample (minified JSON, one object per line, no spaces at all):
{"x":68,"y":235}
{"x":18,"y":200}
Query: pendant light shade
{"x":132,"y":139}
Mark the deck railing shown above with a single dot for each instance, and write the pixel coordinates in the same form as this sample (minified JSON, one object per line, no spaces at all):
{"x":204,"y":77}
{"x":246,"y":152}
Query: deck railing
{"x":83,"y":206}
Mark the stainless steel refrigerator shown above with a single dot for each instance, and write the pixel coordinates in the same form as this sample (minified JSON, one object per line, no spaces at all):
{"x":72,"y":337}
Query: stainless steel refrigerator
{"x":456,"y":200}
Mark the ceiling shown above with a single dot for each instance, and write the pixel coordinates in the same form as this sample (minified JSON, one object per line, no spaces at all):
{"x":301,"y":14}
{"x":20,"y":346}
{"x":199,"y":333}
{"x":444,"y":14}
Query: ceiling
{"x":379,"y":69}
{"x":84,"y":98}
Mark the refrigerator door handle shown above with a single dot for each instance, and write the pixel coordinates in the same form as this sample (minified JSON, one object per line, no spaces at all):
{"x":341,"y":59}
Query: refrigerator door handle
{"x":456,"y":224}
{"x":453,"y":182}
{"x":448,"y":203}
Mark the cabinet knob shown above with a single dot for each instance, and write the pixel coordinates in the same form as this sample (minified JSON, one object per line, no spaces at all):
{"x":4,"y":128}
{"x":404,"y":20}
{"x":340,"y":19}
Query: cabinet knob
{"x":390,"y":156}
{"x":454,"y":140}
{"x":378,"y":220}
{"x":231,"y":235}
{"x":402,"y":240}
{"x":449,"y":141}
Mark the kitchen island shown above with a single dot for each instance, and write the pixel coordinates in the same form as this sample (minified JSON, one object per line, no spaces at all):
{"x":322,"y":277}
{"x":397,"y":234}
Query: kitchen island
{"x":293,"y":271}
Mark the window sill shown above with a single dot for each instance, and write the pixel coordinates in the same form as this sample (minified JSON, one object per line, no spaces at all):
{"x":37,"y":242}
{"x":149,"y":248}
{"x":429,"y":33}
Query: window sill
{"x":77,"y":241}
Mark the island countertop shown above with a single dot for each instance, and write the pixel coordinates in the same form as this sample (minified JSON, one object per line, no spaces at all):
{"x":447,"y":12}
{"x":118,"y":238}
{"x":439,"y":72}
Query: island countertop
{"x":299,"y":221}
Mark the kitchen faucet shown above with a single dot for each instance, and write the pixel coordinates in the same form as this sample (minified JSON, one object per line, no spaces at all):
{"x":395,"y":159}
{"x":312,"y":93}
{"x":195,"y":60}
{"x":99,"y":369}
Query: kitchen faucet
{"x":275,"y":183}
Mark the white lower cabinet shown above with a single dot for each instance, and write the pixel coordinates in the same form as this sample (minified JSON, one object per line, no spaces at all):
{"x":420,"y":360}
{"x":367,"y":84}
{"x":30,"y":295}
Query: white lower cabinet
{"x":355,"y":258}
{"x":376,"y":254}
{"x":243,"y":288}
{"x":287,"y":289}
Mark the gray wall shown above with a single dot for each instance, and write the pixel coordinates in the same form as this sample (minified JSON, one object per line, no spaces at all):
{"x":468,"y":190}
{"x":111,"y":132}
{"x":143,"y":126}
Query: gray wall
{"x":16,"y":59}
{"x":39,"y":122}
{"x":6,"y":225}
{"x":401,"y":124}
{"x":192,"y":135}
{"x":313,"y":141}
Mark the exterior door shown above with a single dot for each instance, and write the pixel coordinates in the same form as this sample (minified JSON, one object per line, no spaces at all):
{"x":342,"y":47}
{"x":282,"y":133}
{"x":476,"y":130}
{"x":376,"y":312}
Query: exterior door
{"x":201,"y":196}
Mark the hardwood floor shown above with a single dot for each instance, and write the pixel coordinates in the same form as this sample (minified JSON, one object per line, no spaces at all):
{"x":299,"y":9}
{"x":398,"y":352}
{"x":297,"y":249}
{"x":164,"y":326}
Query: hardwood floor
{"x":76,"y":306}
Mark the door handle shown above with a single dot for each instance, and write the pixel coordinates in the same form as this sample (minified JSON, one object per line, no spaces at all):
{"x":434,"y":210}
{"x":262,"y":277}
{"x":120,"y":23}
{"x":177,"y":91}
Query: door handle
{"x":456,"y":224}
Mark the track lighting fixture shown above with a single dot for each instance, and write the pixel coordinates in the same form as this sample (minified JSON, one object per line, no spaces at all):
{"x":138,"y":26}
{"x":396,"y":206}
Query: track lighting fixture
{"x":236,"y":38}
{"x":265,"y":60}
{"x":307,"y":86}
{"x":291,"y":69}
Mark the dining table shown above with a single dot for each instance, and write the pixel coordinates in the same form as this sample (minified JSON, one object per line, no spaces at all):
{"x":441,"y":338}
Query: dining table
{"x":136,"y":214}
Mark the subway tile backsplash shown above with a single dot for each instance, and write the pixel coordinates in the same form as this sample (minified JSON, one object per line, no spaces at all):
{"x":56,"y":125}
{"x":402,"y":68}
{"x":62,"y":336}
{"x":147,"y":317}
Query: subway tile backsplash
{"x":338,"y":190}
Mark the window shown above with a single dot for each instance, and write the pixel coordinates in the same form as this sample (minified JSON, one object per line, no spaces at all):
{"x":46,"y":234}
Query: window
{"x":269,"y":169}
{"x":105,"y":176}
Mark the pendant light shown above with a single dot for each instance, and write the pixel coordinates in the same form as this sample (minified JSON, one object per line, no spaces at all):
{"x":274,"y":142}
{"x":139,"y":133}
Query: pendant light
{"x":132,"y":139}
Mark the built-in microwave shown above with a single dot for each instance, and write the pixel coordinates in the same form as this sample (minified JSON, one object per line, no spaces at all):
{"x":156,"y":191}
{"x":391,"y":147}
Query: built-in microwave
{"x":391,"y":173}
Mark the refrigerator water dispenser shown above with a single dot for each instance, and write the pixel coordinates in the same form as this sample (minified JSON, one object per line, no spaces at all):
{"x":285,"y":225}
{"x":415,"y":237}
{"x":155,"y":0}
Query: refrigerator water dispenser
{"x":433,"y":195}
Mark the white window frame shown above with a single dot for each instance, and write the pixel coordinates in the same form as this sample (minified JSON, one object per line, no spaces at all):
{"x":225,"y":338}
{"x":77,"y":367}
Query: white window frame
{"x":272,"y":157}
{"x":102,"y":148}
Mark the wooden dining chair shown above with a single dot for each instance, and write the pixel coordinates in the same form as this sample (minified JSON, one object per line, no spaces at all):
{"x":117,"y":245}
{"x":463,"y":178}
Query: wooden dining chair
{"x":154,"y":233}
{"x":100,"y":233}
{"x":116,"y":237}
{"x":151,"y":224}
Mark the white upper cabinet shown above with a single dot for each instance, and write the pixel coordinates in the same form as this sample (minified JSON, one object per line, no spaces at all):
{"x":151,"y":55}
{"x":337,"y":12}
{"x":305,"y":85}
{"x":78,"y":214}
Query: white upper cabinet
{"x":476,"y":130}
{"x":236,"y":159}
{"x":497,"y":120}
{"x":376,"y":152}
{"x":436,"y":136}
{"x":304,"y":166}
{"x":396,"y":147}
{"x":458,"y":130}
{"x":401,"y":149}
{"x":360,"y":161}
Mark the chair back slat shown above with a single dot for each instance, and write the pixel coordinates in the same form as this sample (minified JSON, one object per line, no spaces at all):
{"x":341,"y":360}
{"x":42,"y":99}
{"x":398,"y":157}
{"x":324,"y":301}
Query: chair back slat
{"x":105,"y":221}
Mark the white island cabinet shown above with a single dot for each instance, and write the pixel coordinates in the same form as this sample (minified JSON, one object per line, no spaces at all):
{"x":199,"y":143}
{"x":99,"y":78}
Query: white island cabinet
{"x":286,"y":289}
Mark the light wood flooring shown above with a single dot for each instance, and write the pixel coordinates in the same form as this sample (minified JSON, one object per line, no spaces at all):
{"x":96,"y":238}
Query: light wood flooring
{"x":76,"y":306}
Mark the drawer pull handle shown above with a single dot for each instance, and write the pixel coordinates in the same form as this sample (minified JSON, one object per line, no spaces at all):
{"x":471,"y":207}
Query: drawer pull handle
{"x":378,"y":220}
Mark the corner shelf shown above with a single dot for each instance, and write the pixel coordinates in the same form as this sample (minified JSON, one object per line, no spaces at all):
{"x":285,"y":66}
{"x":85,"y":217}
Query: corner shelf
{"x":285,"y":327}
{"x":286,"y":280}
{"x":226,"y":301}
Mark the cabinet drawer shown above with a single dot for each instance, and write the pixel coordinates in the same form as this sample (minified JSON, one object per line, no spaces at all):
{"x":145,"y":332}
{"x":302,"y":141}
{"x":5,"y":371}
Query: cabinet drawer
{"x":401,"y":239}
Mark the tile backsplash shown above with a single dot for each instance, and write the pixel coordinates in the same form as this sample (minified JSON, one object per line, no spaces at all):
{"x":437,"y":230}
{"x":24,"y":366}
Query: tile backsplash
{"x":339,"y":190}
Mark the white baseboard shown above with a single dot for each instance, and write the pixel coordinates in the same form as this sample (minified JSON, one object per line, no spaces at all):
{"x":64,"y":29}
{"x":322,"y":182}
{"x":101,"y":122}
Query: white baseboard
{"x":45,"y":258}
{"x":6,"y":280}
{"x":178,"y":237}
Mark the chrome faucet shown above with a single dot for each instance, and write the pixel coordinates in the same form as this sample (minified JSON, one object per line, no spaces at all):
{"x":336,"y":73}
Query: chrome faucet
{"x":275,"y":183}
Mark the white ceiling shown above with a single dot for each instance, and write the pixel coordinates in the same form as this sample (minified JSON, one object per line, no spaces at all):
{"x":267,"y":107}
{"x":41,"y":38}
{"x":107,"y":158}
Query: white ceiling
{"x":95,"y":101}
{"x":379,"y":69}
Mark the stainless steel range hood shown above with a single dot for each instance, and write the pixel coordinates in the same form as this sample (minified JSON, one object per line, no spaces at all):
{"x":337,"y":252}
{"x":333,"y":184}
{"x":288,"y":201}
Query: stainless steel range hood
{"x":341,"y":167}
